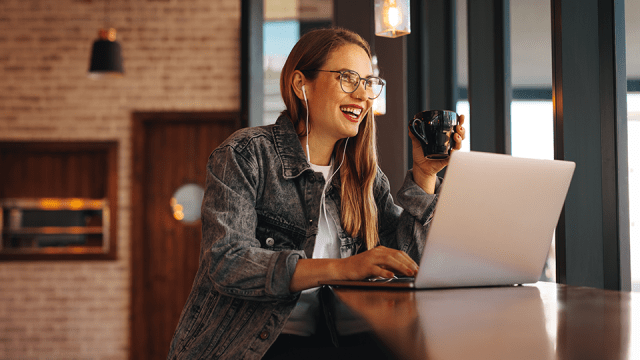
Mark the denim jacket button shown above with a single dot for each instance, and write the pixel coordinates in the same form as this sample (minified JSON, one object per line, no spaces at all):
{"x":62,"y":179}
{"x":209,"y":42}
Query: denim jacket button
{"x":270,"y":242}
{"x":264,"y":335}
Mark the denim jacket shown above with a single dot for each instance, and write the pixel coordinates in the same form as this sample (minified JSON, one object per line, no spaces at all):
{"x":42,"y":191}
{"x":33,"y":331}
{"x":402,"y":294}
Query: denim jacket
{"x":259,"y":216}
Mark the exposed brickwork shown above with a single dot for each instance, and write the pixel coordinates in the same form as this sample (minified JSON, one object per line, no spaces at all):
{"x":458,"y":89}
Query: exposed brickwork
{"x":178,"y":56}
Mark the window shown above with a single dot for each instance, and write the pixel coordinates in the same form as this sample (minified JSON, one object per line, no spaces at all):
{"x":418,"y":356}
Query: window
{"x":532,"y":108}
{"x":632,"y":23}
{"x":462,"y":69}
{"x":532,"y":137}
{"x":284,"y":22}
{"x":633,"y":121}
{"x":279,"y":37}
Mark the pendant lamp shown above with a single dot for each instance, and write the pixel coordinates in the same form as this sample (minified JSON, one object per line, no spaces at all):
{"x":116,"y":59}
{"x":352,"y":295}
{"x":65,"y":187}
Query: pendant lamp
{"x":392,"y":18}
{"x":106,"y":54}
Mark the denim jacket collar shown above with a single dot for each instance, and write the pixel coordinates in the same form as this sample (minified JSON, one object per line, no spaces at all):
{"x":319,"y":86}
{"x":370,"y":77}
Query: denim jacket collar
{"x":289,"y":148}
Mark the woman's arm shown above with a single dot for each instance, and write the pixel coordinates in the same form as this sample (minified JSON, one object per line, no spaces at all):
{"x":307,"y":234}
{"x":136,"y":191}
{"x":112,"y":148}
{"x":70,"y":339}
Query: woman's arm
{"x":232,"y":255}
{"x":404,"y":227}
{"x":238,"y":265}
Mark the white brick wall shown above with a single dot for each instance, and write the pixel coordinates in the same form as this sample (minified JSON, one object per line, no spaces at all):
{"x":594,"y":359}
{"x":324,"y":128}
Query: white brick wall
{"x":179,"y":55}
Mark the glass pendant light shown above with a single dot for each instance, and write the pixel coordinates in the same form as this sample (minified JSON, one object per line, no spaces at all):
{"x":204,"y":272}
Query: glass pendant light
{"x":392,"y":18}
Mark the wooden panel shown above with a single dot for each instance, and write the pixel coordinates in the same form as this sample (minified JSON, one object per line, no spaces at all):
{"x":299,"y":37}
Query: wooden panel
{"x":54,"y":170}
{"x":170,"y":150}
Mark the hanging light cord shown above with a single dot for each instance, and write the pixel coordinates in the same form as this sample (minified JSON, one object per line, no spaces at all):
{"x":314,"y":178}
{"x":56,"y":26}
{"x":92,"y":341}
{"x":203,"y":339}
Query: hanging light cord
{"x":106,"y":19}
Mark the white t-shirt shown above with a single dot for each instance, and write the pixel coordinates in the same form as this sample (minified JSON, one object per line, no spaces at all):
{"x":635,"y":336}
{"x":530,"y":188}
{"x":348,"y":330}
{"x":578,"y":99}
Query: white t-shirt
{"x":302,"y":321}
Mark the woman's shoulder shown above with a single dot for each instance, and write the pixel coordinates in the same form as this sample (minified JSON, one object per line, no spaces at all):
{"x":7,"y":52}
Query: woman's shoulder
{"x":381,"y":183}
{"x":380,"y":178}
{"x":243,"y":138}
{"x":245,"y":148}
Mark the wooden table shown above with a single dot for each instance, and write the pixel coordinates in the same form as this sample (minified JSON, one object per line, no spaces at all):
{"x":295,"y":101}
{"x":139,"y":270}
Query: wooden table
{"x":540,"y":321}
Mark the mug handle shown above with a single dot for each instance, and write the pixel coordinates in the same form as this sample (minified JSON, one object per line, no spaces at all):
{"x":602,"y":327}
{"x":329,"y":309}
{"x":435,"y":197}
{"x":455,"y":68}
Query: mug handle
{"x":415,"y":132}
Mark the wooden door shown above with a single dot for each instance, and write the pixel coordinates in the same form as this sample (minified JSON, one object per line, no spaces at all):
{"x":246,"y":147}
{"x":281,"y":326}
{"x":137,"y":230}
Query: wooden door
{"x":170,"y":150}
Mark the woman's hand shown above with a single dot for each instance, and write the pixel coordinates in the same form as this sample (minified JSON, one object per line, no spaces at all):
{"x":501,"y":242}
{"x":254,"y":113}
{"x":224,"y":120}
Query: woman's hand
{"x":379,"y":261}
{"x":426,"y":170}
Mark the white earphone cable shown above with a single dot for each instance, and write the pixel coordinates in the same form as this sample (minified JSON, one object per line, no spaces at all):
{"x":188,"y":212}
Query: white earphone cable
{"x":322,"y":199}
{"x":307,"y":123}
{"x":328,"y":182}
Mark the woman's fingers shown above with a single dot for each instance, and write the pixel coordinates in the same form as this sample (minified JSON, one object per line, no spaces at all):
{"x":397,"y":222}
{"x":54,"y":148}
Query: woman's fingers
{"x":396,"y":261}
{"x":382,"y":272}
{"x":459,"y":128}
{"x":460,"y":133}
{"x":380,"y":261}
{"x":415,"y":143}
{"x":457,"y":138}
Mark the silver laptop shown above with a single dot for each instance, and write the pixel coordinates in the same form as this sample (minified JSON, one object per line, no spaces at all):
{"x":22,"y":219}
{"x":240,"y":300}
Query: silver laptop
{"x":493,"y":224}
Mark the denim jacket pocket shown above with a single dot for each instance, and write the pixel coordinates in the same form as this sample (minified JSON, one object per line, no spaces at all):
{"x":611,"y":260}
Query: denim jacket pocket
{"x":278,"y":235}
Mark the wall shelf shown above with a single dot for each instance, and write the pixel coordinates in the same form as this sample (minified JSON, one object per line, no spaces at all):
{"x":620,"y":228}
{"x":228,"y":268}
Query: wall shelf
{"x":59,"y":201}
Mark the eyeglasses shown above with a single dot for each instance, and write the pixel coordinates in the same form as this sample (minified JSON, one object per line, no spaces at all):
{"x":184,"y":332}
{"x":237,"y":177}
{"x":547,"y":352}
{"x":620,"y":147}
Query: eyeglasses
{"x":350,"y":80}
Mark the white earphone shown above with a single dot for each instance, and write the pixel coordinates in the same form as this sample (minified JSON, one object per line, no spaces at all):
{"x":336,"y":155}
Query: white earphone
{"x":328,"y":181}
{"x":304,"y":93}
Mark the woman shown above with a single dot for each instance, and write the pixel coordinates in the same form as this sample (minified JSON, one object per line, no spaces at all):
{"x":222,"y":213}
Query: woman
{"x":298,"y":202}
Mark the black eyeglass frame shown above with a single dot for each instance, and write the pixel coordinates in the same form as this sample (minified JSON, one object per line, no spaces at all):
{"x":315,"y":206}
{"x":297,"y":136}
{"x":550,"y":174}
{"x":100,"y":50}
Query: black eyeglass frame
{"x":341,"y":72}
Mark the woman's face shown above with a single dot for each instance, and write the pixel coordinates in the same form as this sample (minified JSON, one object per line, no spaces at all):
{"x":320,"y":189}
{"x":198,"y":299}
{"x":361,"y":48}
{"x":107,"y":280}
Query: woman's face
{"x":334,"y":114}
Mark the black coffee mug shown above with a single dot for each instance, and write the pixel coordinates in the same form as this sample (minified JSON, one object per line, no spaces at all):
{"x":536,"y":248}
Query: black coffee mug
{"x":435,"y":129}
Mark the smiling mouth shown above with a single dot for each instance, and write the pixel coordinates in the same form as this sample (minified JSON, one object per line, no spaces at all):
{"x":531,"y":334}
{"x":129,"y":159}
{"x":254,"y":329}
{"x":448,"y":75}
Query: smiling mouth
{"x":351,"y":112}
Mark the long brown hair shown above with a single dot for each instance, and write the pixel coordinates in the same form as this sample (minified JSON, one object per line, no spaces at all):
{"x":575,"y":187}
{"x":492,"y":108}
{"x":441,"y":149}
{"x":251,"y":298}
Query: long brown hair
{"x":359,"y":214}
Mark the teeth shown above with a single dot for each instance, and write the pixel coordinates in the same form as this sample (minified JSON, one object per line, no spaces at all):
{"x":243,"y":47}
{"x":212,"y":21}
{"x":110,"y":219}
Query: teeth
{"x":353,"y":110}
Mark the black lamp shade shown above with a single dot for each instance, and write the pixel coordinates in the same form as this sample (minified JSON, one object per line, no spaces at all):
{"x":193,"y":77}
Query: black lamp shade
{"x":106,"y":57}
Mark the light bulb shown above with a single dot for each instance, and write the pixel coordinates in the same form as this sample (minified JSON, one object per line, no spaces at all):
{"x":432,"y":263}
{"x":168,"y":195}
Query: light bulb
{"x":392,"y":18}
{"x":392,"y":14}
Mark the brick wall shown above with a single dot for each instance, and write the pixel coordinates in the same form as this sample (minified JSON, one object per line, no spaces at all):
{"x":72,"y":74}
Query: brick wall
{"x":179,"y":55}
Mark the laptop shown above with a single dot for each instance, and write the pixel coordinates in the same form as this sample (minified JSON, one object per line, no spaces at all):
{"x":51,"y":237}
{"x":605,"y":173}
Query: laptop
{"x":493,"y":223}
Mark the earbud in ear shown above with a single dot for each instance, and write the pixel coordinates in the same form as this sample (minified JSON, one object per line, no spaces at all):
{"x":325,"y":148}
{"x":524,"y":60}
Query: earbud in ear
{"x":304,"y":92}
